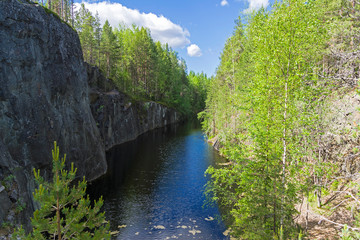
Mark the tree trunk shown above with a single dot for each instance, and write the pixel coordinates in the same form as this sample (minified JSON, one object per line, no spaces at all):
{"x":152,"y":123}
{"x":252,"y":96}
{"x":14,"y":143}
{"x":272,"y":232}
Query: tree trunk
{"x":317,"y":179}
{"x":72,"y":13}
{"x":58,"y":218}
{"x":307,"y":215}
{"x":107,"y":65}
{"x":284,"y":154}
{"x":62,"y":10}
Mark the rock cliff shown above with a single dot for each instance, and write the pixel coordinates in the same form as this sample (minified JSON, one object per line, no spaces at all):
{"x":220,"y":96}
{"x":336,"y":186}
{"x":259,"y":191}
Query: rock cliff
{"x":44,"y":97}
{"x":120,"y":118}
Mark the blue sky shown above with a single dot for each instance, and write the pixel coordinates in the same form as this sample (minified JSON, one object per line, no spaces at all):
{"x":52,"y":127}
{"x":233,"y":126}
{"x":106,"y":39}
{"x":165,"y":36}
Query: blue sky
{"x":196,"y":29}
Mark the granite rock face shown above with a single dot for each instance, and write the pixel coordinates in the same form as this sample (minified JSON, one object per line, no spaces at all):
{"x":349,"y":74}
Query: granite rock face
{"x":120,"y":118}
{"x":43,"y":98}
{"x":47,"y":94}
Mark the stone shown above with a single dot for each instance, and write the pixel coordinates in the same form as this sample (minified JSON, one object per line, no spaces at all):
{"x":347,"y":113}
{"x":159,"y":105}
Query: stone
{"x":44,"y":98}
{"x":49,"y":94}
{"x":14,"y":196}
{"x":5,"y":205}
{"x":120,"y":119}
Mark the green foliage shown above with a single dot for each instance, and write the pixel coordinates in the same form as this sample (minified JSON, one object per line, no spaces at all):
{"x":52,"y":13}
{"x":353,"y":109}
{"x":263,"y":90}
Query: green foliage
{"x":263,"y":106}
{"x":88,"y":28}
{"x":8,"y":181}
{"x":352,"y":194}
{"x":6,"y":227}
{"x":142,"y":68}
{"x":6,"y":224}
{"x":9,"y":178}
{"x":100,"y":109}
{"x":20,"y":205}
{"x":65,"y":212}
{"x":348,"y":234}
{"x":62,"y":9}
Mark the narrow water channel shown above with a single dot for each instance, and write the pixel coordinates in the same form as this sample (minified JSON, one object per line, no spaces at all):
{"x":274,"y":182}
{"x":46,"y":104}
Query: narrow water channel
{"x":154,"y":189}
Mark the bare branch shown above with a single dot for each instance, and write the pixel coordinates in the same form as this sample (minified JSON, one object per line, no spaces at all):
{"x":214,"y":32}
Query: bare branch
{"x":340,"y":204}
{"x":338,"y":224}
{"x":349,"y":193}
{"x":332,"y":222}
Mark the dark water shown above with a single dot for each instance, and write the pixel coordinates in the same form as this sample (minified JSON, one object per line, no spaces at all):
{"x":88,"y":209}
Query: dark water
{"x":154,"y":189}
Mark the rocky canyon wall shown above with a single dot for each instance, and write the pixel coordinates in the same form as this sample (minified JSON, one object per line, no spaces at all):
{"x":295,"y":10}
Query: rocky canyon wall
{"x":45,"y":96}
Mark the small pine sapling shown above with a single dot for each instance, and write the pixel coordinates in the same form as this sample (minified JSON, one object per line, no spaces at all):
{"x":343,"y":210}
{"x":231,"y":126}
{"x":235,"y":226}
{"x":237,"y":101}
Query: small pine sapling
{"x":65,"y":211}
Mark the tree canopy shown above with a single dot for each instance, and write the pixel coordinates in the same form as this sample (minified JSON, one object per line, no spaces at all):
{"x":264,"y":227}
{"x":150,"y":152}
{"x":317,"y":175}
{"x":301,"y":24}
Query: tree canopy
{"x":139,"y":66}
{"x":266,"y":107}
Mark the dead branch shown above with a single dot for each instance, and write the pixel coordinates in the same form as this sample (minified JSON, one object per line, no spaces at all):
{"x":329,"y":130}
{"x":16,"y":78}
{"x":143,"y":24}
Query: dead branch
{"x":332,"y":222}
{"x":337,"y":224}
{"x":334,"y":196}
{"x":349,"y":193}
{"x":340,"y":204}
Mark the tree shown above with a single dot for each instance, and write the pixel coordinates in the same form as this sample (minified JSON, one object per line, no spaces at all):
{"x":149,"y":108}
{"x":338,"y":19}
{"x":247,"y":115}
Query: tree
{"x":65,"y":212}
{"x":87,"y":27}
{"x":63,"y":8}
{"x":267,"y":82}
{"x":107,"y":48}
{"x":139,"y":66}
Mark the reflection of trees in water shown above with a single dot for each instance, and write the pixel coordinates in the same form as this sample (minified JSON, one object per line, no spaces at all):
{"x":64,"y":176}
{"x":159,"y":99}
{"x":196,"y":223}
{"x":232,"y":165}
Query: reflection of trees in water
{"x":157,"y":180}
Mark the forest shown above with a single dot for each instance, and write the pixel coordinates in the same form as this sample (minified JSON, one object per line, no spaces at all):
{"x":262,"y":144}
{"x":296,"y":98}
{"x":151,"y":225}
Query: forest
{"x":267,"y":107}
{"x":139,"y":66}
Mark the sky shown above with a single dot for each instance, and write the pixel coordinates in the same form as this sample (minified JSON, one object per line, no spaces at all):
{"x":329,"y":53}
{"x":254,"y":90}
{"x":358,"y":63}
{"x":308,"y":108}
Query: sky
{"x":196,"y":29}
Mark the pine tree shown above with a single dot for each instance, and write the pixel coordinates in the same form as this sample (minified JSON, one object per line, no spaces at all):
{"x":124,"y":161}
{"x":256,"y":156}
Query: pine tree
{"x":137,"y":64}
{"x":87,"y":27}
{"x":107,"y":48}
{"x":65,"y":212}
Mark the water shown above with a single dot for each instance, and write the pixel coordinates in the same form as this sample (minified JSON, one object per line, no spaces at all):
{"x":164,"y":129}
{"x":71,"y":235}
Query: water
{"x":154,"y":189}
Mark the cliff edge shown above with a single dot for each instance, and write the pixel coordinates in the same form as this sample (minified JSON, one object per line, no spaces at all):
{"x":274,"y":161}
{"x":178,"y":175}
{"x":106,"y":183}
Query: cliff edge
{"x":45,"y":97}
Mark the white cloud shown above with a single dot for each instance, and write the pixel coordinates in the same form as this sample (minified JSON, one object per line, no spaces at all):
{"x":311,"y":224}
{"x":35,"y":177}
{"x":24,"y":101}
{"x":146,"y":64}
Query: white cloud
{"x":256,"y":4}
{"x":194,"y":51}
{"x":224,"y":3}
{"x":161,"y":28}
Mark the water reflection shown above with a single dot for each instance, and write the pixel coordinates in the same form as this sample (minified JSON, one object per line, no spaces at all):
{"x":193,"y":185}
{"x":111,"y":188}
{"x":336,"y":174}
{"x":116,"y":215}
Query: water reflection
{"x":154,"y":189}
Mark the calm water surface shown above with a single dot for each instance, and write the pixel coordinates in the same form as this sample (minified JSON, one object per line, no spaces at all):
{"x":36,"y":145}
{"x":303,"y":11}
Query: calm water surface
{"x":154,"y":189}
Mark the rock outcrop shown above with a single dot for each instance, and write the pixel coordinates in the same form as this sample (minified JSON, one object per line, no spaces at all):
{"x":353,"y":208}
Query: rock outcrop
{"x":120,"y":118}
{"x":44,"y":97}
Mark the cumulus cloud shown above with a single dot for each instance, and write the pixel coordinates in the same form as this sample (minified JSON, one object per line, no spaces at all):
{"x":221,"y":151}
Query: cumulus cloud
{"x":161,"y":28}
{"x":194,"y":51}
{"x":256,"y":4}
{"x":224,"y":3}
